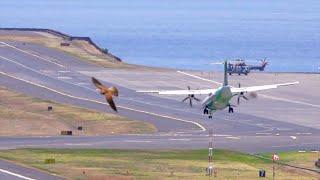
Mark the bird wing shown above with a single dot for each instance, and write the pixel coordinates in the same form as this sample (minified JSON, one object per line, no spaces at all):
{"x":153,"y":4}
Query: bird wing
{"x":111,"y":102}
{"x":97,"y":83}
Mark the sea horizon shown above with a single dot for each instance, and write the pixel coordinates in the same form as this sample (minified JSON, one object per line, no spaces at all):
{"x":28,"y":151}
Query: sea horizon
{"x":185,"y":35}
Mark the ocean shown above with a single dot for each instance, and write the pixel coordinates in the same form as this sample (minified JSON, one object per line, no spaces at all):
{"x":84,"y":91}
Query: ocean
{"x":184,"y":34}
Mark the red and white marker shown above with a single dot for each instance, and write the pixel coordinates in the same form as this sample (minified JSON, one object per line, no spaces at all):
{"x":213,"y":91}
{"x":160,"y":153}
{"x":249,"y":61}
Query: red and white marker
{"x":275,"y":157}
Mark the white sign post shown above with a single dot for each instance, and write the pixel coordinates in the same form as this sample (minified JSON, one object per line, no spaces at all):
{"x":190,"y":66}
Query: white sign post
{"x":275,"y":157}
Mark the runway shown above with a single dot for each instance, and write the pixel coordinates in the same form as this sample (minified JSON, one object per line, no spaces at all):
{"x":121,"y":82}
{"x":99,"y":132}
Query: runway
{"x":51,"y":74}
{"x":263,"y":125}
{"x":13,"y":171}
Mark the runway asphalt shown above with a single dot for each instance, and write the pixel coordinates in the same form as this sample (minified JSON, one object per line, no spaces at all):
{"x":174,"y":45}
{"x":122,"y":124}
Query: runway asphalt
{"x":12,"y":171}
{"x":54,"y":75}
{"x":51,"y":74}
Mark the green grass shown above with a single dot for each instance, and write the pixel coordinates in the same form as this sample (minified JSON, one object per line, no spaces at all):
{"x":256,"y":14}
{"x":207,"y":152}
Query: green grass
{"x":301,"y":159}
{"x":152,"y":164}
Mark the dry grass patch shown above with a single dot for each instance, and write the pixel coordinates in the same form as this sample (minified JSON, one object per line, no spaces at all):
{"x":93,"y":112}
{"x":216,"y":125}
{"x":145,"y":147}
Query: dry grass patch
{"x":79,"y":48}
{"x":24,"y":115}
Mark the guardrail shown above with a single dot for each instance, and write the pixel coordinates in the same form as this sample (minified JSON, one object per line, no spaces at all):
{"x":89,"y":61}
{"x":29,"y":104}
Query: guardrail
{"x":64,"y":36}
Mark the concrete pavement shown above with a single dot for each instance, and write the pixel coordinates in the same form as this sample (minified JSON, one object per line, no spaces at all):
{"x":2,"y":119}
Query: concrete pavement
{"x":261,"y":125}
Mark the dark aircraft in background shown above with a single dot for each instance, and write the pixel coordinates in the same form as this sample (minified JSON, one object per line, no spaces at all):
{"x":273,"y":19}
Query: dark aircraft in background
{"x":240,"y":66}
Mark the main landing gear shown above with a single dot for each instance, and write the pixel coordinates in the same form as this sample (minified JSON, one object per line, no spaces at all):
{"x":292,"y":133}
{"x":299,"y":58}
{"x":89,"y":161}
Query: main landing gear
{"x":230,"y":109}
{"x":206,"y":110}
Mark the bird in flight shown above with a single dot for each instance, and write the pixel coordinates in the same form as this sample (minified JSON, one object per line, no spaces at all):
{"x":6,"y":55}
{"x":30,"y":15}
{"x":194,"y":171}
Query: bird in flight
{"x":107,"y":92}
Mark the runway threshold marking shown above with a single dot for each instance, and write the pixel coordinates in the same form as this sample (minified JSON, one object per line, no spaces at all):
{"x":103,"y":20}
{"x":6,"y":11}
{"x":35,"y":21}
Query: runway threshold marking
{"x":99,"y":102}
{"x":16,"y":175}
{"x":31,"y":54}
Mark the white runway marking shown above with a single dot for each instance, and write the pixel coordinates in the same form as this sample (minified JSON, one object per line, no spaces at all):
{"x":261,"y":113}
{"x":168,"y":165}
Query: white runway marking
{"x":16,"y":175}
{"x":91,"y":100}
{"x":293,"y":145}
{"x":220,"y":135}
{"x":263,"y":133}
{"x":77,"y":144}
{"x":293,"y":137}
{"x":137,"y":141}
{"x":232,"y":137}
{"x":197,"y":77}
{"x":83,"y":84}
{"x":290,"y":101}
{"x":63,"y":71}
{"x":22,"y":65}
{"x":64,"y":77}
{"x":34,"y":55}
{"x":179,"y":139}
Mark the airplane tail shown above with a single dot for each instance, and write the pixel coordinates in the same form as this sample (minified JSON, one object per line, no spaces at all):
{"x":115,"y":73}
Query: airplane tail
{"x":225,"y":82}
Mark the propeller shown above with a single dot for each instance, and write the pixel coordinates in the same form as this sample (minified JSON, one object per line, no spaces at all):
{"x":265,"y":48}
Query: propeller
{"x":264,"y":61}
{"x":241,"y":95}
{"x":191,"y":97}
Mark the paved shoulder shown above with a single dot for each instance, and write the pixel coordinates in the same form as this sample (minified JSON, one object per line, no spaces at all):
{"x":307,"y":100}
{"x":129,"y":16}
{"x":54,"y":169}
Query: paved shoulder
{"x":10,"y":171}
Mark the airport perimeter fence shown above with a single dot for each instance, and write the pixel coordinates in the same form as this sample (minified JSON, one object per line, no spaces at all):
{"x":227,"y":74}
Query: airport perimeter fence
{"x":64,"y":36}
{"x":288,"y":165}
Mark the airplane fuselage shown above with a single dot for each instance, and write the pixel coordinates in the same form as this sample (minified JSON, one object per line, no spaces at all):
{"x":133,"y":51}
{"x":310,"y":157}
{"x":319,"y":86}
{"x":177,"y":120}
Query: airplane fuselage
{"x":220,"y":100}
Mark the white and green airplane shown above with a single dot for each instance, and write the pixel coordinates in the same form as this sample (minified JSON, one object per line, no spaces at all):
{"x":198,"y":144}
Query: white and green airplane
{"x":219,"y":99}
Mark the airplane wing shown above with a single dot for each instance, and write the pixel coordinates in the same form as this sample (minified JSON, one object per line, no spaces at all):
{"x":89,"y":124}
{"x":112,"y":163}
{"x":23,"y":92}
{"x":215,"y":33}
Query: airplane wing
{"x":182,"y":92}
{"x":260,"y":88}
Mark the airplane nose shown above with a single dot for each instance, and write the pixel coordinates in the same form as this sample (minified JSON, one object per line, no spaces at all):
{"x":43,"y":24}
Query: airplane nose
{"x":205,"y":101}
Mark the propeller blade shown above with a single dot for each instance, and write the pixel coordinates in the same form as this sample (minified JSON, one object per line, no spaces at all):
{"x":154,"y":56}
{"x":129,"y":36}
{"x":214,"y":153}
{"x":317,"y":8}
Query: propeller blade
{"x":185,"y":99}
{"x":238,"y":100}
{"x":190,"y":102}
{"x":196,"y":99}
{"x":244,"y":97}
